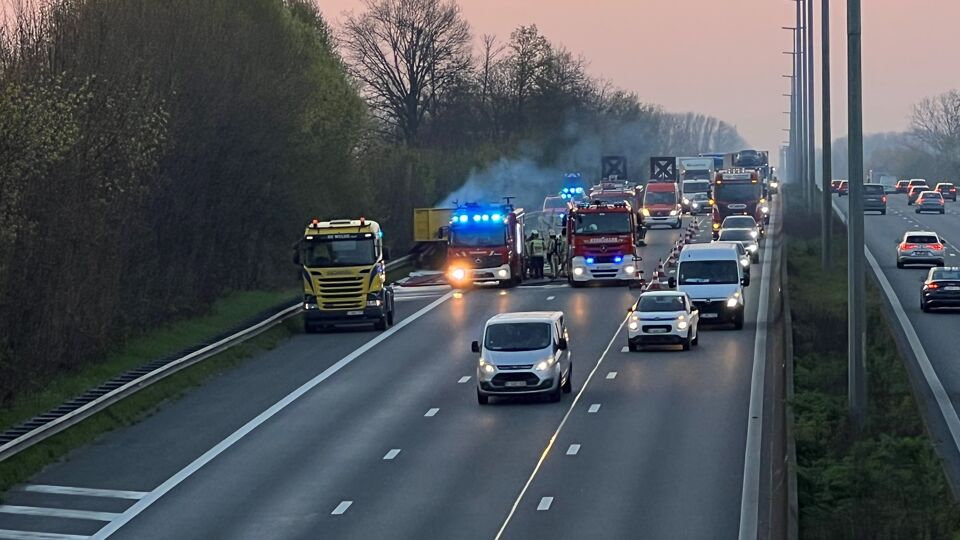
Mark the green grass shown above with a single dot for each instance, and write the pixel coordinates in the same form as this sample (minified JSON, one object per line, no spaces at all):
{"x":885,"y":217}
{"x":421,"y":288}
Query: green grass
{"x":135,"y":408}
{"x":224,"y":314}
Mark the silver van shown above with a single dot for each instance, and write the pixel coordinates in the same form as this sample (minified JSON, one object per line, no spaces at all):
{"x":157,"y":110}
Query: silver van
{"x":713,"y":277}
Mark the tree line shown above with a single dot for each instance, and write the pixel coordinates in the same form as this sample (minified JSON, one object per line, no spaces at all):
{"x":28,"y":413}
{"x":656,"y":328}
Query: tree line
{"x":155,"y":155}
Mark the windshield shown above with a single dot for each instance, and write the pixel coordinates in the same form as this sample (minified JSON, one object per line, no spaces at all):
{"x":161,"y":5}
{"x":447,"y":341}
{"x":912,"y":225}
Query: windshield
{"x":696,"y":175}
{"x":526,"y":336}
{"x":654,"y":303}
{"x":738,"y":235}
{"x":610,"y":199}
{"x":943,"y":273}
{"x":321,"y":252}
{"x":690,"y":188}
{"x":737,"y":192}
{"x":659,"y":197}
{"x":554,"y":203}
{"x":922,"y":239}
{"x":873,"y":189}
{"x":699,"y":197}
{"x":478,"y":237}
{"x":738,"y":222}
{"x":708,"y":272}
{"x":603,"y":223}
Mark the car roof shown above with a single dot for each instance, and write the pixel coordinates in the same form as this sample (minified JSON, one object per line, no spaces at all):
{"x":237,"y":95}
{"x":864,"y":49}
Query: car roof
{"x":909,"y":233}
{"x":741,"y":216}
{"x":944,"y":183}
{"x":709,"y":251}
{"x":526,"y":316}
{"x":931,"y":192}
{"x":663,"y":293}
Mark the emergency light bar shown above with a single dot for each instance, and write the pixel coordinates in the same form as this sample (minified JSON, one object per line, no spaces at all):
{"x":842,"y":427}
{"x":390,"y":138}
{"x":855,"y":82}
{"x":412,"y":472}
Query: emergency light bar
{"x":477,"y":218}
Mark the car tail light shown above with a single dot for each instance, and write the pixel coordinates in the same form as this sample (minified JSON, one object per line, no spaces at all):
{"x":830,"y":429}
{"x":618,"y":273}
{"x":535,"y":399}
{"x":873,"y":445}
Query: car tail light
{"x":884,"y":199}
{"x":936,"y":247}
{"x":953,"y":190}
{"x":930,"y":285}
{"x":906,"y":246}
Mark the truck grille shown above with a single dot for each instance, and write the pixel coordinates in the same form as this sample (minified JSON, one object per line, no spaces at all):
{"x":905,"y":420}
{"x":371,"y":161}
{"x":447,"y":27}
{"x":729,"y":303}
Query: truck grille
{"x":501,"y":379}
{"x":340,"y":292}
{"x":485,"y":261}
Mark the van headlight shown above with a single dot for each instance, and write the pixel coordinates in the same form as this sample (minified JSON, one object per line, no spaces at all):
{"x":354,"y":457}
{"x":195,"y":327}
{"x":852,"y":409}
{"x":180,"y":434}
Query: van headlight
{"x":686,"y":200}
{"x":544,"y":365}
{"x":754,"y":234}
{"x":752,"y":247}
{"x":487,"y":367}
{"x":733,"y":301}
{"x":673,"y":212}
{"x":764,"y":209}
{"x":681,"y":325}
{"x":634,"y":322}
{"x":645,"y":212}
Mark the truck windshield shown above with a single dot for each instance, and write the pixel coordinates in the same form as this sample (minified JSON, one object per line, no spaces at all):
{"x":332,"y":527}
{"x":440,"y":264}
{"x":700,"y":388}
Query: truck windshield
{"x":701,"y":174}
{"x":610,"y":198}
{"x":659,"y":197}
{"x":478,"y":237}
{"x":603,"y":223}
{"x":526,"y":336}
{"x":708,"y":272}
{"x":321,"y":252}
{"x":737,"y":192}
{"x":690,"y":188}
{"x":554,"y":203}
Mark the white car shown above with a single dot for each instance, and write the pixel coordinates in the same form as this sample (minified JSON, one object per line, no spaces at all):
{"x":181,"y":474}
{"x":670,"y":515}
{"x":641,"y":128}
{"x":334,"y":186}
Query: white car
{"x":748,"y":238}
{"x":663,"y":318}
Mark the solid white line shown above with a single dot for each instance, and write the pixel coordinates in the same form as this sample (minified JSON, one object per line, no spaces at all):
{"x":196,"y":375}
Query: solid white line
{"x":612,"y":375}
{"x":594,"y":408}
{"x":86,"y":492}
{"x":573,"y":450}
{"x":418,"y":297}
{"x":463,"y":379}
{"x":57,"y":512}
{"x":341,"y":508}
{"x":432,"y":412}
{"x":750,"y":495}
{"x":7,"y":534}
{"x":553,"y":438}
{"x":544,"y":504}
{"x":391,"y":454}
{"x":245,"y":430}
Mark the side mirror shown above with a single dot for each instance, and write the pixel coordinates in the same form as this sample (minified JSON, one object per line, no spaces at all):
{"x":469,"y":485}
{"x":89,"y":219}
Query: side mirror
{"x":672,"y":283}
{"x":745,"y":281}
{"x":562,"y":344}
{"x":475,"y":346}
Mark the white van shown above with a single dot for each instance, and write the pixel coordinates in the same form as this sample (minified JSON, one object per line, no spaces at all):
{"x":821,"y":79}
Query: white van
{"x":713,"y":277}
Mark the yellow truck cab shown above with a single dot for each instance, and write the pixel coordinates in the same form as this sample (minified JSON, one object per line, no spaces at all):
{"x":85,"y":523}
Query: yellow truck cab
{"x":344,"y":276}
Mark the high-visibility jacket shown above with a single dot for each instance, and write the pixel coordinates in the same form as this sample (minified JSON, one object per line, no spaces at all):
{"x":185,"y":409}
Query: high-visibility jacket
{"x":537,"y":247}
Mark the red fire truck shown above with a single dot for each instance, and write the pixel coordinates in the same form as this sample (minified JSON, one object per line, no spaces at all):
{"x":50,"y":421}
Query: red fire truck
{"x":737,"y":192}
{"x":485,"y":245}
{"x":602,"y":241}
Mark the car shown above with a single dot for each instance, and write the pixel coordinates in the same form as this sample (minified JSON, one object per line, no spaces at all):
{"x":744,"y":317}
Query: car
{"x":843,"y":188}
{"x":930,"y":201}
{"x":874,"y":198}
{"x":916,"y":182}
{"x":700,"y":203}
{"x":663,"y":318}
{"x":713,"y":277}
{"x":524,"y":353}
{"x":741,"y":222}
{"x":941,"y":288}
{"x":948,"y":190}
{"x":748,"y":238}
{"x":834,"y":184}
{"x":902,"y":185}
{"x":920,"y":247}
{"x":745,"y":257}
{"x":914,"y":191}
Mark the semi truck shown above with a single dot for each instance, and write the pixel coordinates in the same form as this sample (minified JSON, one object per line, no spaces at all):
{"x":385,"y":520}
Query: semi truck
{"x":343,"y":270}
{"x":602,"y":240}
{"x":737,"y":192}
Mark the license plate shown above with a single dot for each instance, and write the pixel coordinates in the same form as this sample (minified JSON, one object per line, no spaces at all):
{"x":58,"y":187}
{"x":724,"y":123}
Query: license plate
{"x":354,"y":313}
{"x":658,"y":331}
{"x":709,"y":315}
{"x":516,"y":383}
{"x":920,"y":253}
{"x":951,"y":288}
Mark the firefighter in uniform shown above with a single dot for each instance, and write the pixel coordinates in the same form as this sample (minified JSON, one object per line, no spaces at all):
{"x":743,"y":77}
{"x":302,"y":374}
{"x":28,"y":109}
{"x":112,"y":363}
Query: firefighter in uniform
{"x":537,"y":249}
{"x":553,"y":254}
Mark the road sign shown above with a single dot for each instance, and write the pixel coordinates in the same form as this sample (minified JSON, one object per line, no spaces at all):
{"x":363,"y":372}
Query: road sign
{"x":663,"y":169}
{"x":614,"y":166}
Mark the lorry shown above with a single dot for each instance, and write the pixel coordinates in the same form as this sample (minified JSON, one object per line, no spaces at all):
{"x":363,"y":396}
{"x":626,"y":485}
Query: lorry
{"x":696,"y":168}
{"x":342,"y":264}
{"x":738,"y":192}
{"x":486,"y":245}
{"x":602,"y":240}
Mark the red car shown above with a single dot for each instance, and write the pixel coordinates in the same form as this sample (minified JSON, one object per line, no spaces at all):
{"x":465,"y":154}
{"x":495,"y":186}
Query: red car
{"x":843,"y":188}
{"x":902,"y":186}
{"x":948,"y":190}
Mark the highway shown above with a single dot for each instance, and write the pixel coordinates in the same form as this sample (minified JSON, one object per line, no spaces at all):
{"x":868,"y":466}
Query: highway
{"x":359,"y":434}
{"x":933,"y":346}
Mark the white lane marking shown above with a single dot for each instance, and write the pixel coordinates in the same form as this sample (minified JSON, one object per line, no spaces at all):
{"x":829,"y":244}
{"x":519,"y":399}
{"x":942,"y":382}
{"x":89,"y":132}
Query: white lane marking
{"x":625,"y":349}
{"x":245,"y":430}
{"x":612,"y":375}
{"x":551,"y":297}
{"x":391,"y":454}
{"x":594,"y":408}
{"x":463,"y":379}
{"x":341,"y":508}
{"x":553,"y":438}
{"x":417,"y":297}
{"x":7,"y":534}
{"x":750,"y":495}
{"x":544,"y":504}
{"x":573,"y":450}
{"x":58,"y":512}
{"x":432,"y":412}
{"x":953,"y":254}
{"x":85,"y":492}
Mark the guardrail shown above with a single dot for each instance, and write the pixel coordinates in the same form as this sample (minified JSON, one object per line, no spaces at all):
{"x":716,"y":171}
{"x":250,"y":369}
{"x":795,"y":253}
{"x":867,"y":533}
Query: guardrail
{"x":70,"y":413}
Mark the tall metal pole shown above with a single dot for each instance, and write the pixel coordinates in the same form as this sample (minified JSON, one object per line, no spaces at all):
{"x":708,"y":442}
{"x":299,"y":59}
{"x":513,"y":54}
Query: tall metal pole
{"x":826,"y":213}
{"x":856,"y":382}
{"x":798,"y":89}
{"x":811,"y":123}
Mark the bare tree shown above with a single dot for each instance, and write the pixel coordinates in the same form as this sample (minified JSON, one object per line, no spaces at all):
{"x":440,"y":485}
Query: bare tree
{"x":407,"y":54}
{"x":936,"y":124}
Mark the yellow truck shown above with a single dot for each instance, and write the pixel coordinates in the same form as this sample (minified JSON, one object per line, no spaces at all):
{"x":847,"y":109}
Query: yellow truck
{"x":344,"y":274}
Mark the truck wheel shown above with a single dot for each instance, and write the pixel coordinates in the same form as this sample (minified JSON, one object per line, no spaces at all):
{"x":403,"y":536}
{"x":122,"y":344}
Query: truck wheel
{"x":309,"y":328}
{"x":481,"y":398}
{"x":381,"y":323}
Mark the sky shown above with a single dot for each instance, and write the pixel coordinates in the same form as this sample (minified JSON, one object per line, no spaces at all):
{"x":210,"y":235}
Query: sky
{"x":724,"y":57}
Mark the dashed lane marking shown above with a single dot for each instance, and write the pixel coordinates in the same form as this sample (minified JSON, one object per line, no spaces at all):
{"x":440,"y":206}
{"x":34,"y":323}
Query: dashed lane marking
{"x":432,"y":412}
{"x":463,"y":379}
{"x":612,"y":375}
{"x":58,"y":512}
{"x":594,"y":408}
{"x":573,"y":450}
{"x":7,"y":534}
{"x":391,"y":454}
{"x":545,"y":504}
{"x":341,"y":508}
{"x":86,"y":492}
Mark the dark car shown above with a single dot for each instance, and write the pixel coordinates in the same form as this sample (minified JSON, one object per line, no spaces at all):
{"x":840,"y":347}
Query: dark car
{"x":902,"y":186}
{"x":874,"y":198}
{"x":941,"y":288}
{"x":948,"y":190}
{"x":834,"y":184}
{"x":843,"y":188}
{"x":915,"y":191}
{"x":930,"y":201}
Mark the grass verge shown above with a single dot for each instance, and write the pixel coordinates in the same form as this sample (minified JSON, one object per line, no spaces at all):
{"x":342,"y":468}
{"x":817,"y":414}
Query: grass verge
{"x":885,"y":481}
{"x":135,"y":408}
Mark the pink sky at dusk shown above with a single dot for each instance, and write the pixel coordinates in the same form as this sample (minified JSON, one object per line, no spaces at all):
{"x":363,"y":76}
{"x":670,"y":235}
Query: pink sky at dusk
{"x":724,"y":57}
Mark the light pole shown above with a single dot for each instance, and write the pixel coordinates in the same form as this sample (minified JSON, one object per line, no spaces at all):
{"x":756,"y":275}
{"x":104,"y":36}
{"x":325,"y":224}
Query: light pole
{"x":811,"y":123}
{"x":826,"y":214}
{"x":856,"y":316}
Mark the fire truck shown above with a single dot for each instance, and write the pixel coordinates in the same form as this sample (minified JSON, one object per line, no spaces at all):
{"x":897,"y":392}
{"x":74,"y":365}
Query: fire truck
{"x":602,"y":240}
{"x":738,"y":192}
{"x":486,"y":245}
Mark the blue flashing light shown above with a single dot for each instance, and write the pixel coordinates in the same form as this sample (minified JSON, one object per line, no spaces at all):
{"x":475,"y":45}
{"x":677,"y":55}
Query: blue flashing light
{"x":476,"y":217}
{"x":589,"y":260}
{"x":485,"y":217}
{"x":618,"y":259}
{"x":463,"y":218}
{"x":579,"y":190}
{"x":566,"y":190}
{"x":495,"y":217}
